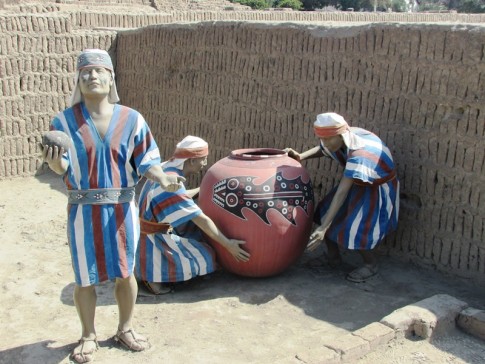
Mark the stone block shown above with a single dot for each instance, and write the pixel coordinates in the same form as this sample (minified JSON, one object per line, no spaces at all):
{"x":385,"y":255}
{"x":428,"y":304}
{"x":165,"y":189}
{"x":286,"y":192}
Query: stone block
{"x":319,"y":355}
{"x":472,"y":321}
{"x":349,"y":346}
{"x":400,"y":321}
{"x":376,"y":334}
{"x":428,"y":318}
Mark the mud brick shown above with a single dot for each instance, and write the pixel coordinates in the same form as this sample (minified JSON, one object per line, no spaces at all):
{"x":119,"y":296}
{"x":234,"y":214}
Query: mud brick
{"x":464,"y":254}
{"x":467,"y":158}
{"x":442,"y":82}
{"x":349,"y":346}
{"x":446,"y":252}
{"x":467,"y":223}
{"x":455,"y":254}
{"x":435,"y":81}
{"x":437,"y":246}
{"x":319,"y":355}
{"x":13,"y":171}
{"x":2,"y":168}
{"x":477,"y":229}
{"x":376,"y":334}
{"x":472,"y":321}
{"x":429,"y":318}
{"x":481,"y":260}
{"x":473,"y":255}
{"x":428,"y":244}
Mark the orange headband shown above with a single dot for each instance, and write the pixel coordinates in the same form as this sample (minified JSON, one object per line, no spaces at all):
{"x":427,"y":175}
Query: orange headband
{"x":184,"y":153}
{"x":329,"y":131}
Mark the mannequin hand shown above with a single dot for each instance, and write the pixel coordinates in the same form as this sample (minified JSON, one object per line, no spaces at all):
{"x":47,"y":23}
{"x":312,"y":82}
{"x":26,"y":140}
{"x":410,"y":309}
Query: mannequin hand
{"x":52,"y":155}
{"x":236,"y":251}
{"x":171,"y":183}
{"x":292,"y":154}
{"x":316,"y":238}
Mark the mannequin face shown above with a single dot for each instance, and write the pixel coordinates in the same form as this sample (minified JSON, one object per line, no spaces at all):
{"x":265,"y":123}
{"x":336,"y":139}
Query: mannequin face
{"x":95,"y":81}
{"x":195,"y":165}
{"x":333,"y":143}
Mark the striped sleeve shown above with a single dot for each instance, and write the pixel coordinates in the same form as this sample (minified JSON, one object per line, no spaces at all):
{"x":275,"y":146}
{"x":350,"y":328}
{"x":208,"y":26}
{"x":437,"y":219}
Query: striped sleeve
{"x":369,"y":164}
{"x":145,"y":153}
{"x":175,"y":208}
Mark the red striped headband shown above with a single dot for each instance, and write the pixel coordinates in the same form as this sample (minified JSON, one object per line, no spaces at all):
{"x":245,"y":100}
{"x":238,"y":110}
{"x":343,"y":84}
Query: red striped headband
{"x":330,"y":131}
{"x":184,"y":153}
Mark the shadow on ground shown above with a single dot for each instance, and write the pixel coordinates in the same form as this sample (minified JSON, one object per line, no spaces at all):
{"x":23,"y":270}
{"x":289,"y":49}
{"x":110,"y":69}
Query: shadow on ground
{"x":321,"y":292}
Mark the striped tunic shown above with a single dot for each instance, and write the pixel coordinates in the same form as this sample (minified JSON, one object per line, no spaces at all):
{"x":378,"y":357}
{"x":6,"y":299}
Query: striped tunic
{"x":371,"y":208}
{"x":175,"y":257}
{"x":103,"y":238}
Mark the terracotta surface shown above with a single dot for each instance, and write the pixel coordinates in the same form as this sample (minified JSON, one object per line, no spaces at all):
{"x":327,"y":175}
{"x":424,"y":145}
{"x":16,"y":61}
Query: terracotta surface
{"x":265,"y":198}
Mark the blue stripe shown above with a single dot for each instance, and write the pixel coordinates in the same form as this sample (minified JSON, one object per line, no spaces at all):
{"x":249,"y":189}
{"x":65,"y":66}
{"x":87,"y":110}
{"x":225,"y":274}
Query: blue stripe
{"x":149,"y":260}
{"x":127,"y":131}
{"x":89,"y":243}
{"x":74,"y":252}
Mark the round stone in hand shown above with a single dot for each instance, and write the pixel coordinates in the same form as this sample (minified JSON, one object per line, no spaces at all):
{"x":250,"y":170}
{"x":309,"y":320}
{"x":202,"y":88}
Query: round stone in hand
{"x":57,"y":138}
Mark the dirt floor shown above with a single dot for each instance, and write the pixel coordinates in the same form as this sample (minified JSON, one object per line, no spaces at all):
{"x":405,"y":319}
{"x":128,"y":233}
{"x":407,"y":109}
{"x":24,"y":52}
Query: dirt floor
{"x":220,"y":319}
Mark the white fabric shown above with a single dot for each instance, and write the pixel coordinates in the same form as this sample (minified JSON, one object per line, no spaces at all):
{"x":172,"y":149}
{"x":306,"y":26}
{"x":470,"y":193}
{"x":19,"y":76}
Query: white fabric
{"x":174,"y":163}
{"x":189,"y":142}
{"x":351,"y":140}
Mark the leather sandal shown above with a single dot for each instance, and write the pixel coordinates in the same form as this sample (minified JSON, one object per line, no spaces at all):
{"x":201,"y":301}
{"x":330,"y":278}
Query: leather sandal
{"x":137,"y":344}
{"x":82,"y":356}
{"x":164,"y":288}
{"x":362,"y":274}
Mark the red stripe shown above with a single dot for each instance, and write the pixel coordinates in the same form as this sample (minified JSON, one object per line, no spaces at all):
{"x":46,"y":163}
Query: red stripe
{"x":115,"y":142}
{"x":368,"y":223}
{"x":172,"y":271}
{"x":143,"y":259}
{"x":99,"y":243}
{"x":121,"y":239}
{"x":168,"y":202}
{"x":185,"y":153}
{"x":374,"y":158}
{"x":329,"y":131}
{"x":351,"y":207}
{"x":89,"y":144}
{"x":144,"y":146}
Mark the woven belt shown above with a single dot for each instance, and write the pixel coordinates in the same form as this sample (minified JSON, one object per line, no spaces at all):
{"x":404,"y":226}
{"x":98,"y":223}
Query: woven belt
{"x":101,"y":196}
{"x":377,"y":182}
{"x":150,"y":227}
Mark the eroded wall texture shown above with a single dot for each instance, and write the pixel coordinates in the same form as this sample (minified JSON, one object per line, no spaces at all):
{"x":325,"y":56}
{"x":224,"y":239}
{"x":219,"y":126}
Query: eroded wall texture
{"x":419,"y":87}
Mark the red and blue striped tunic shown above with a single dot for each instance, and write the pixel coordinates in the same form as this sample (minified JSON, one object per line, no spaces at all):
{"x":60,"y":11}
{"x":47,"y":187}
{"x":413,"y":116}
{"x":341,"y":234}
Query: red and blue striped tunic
{"x":103,"y":238}
{"x":175,"y":257}
{"x":371,"y":208}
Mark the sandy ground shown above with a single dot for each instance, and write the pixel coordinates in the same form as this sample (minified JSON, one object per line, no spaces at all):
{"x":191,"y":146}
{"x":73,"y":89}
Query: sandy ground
{"x":220,"y":319}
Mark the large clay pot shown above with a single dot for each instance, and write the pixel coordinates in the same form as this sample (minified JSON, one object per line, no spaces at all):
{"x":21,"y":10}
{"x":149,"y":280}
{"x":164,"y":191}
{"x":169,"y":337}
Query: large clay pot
{"x":264,"y":197}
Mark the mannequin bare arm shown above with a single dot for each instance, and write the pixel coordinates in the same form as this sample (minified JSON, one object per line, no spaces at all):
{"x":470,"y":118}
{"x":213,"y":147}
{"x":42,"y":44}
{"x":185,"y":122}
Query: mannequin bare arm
{"x":311,"y":153}
{"x":338,"y":199}
{"x":206,"y":224}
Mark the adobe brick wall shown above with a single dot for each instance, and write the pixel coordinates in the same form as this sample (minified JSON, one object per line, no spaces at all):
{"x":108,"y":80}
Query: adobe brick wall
{"x":238,"y":84}
{"x":420,"y":87}
{"x":37,"y":64}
